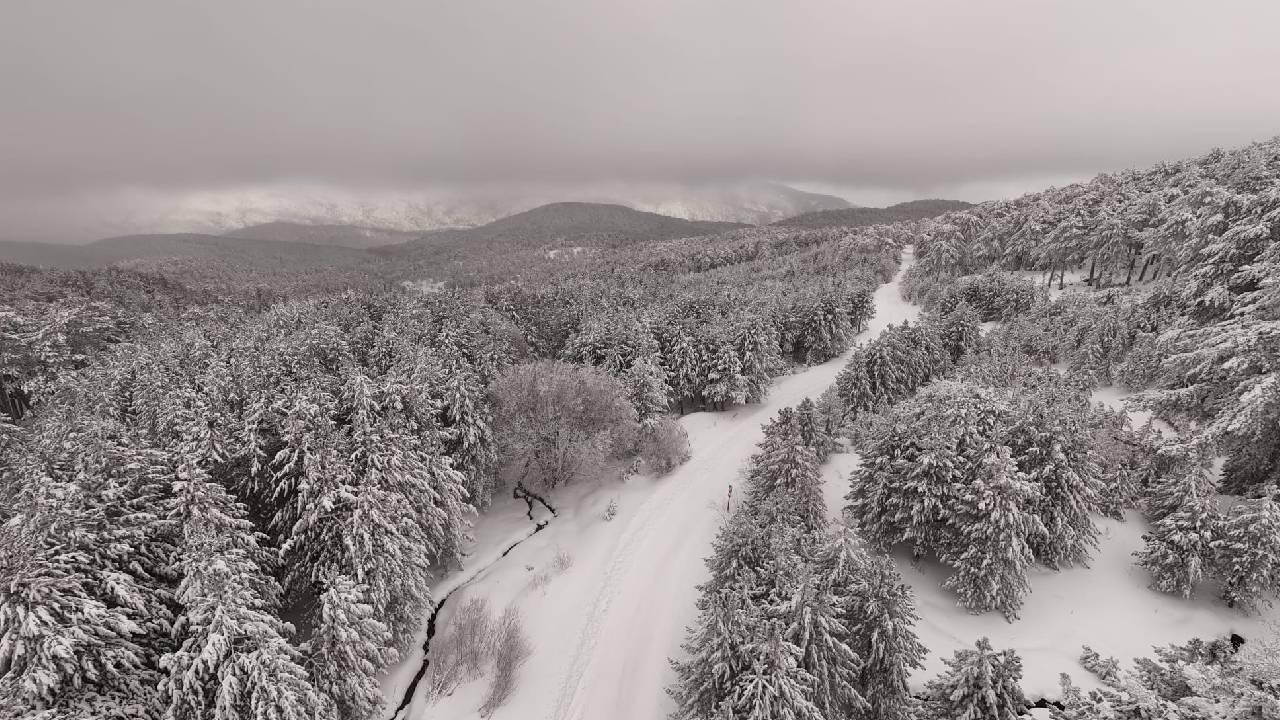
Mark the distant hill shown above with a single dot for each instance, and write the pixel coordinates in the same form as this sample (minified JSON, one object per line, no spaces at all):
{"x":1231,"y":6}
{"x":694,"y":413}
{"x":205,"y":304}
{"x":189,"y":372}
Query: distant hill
{"x":558,"y":225}
{"x":860,"y":216}
{"x":350,"y":236}
{"x":262,"y":254}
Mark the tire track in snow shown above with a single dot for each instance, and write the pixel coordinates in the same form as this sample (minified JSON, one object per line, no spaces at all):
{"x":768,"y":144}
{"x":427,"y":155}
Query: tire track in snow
{"x":569,"y":704}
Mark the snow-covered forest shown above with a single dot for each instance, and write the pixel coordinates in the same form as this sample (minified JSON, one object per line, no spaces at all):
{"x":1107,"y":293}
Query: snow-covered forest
{"x":234,"y":494}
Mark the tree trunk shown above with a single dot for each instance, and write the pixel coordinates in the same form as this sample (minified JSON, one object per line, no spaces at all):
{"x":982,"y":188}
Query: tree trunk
{"x":1146,"y":264}
{"x":1062,"y":276}
{"x":1133,"y":259}
{"x":1156,"y":275}
{"x":1093,"y":262}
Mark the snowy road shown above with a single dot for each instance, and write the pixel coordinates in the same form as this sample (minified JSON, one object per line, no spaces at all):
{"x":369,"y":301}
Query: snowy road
{"x":603,"y":630}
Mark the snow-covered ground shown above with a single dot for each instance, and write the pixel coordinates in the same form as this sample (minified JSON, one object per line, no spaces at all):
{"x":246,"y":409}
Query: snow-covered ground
{"x":602,"y":630}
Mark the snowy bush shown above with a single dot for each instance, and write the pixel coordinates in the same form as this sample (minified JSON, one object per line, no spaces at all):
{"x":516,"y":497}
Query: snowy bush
{"x":463,"y":652}
{"x":559,"y":423}
{"x":562,"y":561}
{"x":611,"y":511}
{"x":663,"y":444}
{"x":510,"y":651}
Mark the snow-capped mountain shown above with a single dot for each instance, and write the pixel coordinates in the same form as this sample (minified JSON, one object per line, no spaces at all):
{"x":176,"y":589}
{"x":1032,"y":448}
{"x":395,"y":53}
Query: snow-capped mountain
{"x":223,"y":211}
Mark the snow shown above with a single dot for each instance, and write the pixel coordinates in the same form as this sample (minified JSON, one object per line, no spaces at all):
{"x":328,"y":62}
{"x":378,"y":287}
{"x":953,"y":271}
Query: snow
{"x":602,"y":631}
{"x":1106,"y":606}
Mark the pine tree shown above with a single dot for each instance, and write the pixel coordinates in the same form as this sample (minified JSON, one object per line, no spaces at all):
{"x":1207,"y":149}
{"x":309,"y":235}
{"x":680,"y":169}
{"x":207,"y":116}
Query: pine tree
{"x":1051,"y":444}
{"x":468,"y":436}
{"x":87,"y":605}
{"x":813,"y":429}
{"x":234,"y":660}
{"x":1178,"y":547}
{"x":880,"y":612}
{"x":960,"y":330}
{"x":785,"y":477}
{"x":813,"y":613}
{"x":979,"y":684}
{"x":993,"y":554}
{"x":715,"y":653}
{"x":1246,"y":553}
{"x":646,"y":384}
{"x":774,"y":685}
{"x":348,"y":650}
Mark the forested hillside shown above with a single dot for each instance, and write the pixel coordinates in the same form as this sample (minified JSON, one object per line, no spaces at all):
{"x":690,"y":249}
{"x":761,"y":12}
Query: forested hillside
{"x":864,"y":216}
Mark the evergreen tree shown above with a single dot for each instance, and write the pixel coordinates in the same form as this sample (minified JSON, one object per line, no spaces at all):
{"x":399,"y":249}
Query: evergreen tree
{"x":979,"y":684}
{"x":1178,"y":547}
{"x":816,"y":628}
{"x":646,"y":385}
{"x":785,"y":477}
{"x":880,"y":612}
{"x":1246,"y":553}
{"x":960,"y":330}
{"x":993,"y":554}
{"x":233,"y":660}
{"x":1051,"y":444}
{"x":813,"y":429}
{"x":348,"y":650}
{"x":87,"y":604}
{"x":468,"y":436}
{"x":774,"y":685}
{"x":715,"y":654}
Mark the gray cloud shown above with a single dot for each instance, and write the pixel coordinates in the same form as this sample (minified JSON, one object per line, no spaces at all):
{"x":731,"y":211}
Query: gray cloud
{"x":899,"y":97}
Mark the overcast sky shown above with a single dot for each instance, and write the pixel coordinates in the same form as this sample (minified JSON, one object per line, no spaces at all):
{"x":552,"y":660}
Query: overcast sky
{"x":888,"y":98}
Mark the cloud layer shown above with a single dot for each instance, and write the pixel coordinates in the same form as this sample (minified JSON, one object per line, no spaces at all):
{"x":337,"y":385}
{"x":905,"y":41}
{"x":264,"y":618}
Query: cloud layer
{"x":902,"y":97}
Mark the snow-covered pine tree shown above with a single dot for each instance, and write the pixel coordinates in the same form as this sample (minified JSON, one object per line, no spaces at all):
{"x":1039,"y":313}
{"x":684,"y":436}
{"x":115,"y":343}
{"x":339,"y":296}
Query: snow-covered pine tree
{"x":1246,"y":553}
{"x":815,"y":626}
{"x":646,"y":384}
{"x":347,"y":651}
{"x":1178,"y":548}
{"x":880,"y":612}
{"x":756,"y":344}
{"x":853,"y":385}
{"x":979,"y":684}
{"x":1181,"y":472}
{"x":86,"y":607}
{"x":774,"y":685}
{"x":741,"y":550}
{"x":724,"y":381}
{"x":467,"y":435}
{"x":1051,"y":445}
{"x":813,"y":429}
{"x":784,"y":477}
{"x":993,"y":552}
{"x":960,"y":330}
{"x":714,"y":653}
{"x":233,"y":659}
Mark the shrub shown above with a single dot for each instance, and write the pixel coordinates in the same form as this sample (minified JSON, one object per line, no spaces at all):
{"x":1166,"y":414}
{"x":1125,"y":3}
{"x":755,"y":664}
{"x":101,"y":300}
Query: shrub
{"x":510,"y":650}
{"x":559,"y":422}
{"x":663,"y":444}
{"x":464,"y":651}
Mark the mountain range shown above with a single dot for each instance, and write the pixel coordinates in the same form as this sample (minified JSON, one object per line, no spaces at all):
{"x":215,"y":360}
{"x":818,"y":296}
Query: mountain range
{"x":282,"y":245}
